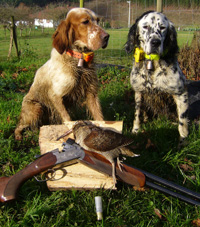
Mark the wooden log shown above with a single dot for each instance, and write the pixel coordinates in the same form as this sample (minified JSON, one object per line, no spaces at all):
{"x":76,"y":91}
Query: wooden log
{"x":73,"y":174}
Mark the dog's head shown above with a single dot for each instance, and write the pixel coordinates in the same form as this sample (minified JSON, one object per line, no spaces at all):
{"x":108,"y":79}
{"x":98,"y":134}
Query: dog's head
{"x":154,"y":33}
{"x":80,"y":27}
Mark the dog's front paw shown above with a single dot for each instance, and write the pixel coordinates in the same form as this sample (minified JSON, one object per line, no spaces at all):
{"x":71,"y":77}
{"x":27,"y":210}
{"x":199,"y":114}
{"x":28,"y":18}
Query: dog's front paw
{"x":182,"y":142}
{"x":18,"y":137}
{"x":135,"y":130}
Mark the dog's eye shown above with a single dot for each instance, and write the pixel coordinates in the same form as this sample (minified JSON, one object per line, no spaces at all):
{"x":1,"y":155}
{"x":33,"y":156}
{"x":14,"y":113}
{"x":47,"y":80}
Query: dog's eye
{"x":162,"y":28}
{"x":145,"y":27}
{"x":85,"y":22}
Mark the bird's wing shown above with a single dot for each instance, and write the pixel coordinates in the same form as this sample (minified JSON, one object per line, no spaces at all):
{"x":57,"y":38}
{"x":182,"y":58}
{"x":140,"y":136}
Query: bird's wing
{"x":105,"y":140}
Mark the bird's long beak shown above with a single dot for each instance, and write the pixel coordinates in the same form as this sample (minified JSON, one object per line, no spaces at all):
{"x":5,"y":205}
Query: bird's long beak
{"x":65,"y":134}
{"x":136,"y":155}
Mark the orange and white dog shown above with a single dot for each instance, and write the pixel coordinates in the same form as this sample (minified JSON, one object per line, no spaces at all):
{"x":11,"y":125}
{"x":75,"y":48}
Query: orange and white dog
{"x":69,"y":75}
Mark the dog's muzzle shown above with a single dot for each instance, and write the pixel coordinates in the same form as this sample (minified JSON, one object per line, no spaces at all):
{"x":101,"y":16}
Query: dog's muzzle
{"x":105,"y":38}
{"x":155,"y":45}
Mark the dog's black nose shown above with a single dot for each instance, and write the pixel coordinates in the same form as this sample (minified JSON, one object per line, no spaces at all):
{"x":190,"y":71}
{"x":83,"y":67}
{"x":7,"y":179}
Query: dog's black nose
{"x":155,"y":42}
{"x":105,"y":40}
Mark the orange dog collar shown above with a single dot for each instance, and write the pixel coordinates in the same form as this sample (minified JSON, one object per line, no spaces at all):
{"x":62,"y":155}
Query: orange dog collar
{"x":87,"y":57}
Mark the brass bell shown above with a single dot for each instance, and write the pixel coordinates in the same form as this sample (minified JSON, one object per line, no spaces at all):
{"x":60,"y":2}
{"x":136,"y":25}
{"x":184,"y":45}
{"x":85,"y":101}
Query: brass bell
{"x":149,"y":65}
{"x":80,"y":62}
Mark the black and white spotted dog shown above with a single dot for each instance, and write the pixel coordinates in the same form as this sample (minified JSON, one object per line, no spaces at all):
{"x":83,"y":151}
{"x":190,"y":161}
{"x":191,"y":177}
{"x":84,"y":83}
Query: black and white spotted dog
{"x":155,"y":68}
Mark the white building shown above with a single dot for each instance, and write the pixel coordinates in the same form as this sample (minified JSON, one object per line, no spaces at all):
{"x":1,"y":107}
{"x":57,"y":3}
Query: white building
{"x":43,"y":23}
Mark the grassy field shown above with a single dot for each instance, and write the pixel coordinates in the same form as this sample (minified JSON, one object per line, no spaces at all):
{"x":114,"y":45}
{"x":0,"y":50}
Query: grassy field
{"x":41,"y":44}
{"x":157,"y":143}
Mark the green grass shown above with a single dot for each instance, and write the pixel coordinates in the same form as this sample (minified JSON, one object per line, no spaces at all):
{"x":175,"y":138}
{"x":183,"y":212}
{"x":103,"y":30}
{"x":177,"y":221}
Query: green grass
{"x":156,"y":142}
{"x":40,"y":44}
{"x":37,"y":206}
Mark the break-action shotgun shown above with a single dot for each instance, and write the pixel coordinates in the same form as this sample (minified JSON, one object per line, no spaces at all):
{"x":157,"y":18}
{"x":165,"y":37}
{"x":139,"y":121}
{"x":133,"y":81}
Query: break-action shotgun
{"x":9,"y":186}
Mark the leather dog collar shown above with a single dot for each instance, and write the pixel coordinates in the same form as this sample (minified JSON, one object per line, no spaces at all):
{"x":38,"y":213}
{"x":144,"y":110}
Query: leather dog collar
{"x":87,"y":57}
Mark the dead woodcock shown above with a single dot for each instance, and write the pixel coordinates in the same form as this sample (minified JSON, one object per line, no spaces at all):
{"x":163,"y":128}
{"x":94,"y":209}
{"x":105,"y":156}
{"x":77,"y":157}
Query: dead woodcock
{"x":101,"y":140}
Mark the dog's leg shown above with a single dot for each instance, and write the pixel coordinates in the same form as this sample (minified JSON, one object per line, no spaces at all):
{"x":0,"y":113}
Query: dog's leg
{"x":94,"y":107}
{"x":30,"y":114}
{"x":57,"y":103}
{"x":136,"y":122}
{"x":182,"y":110}
{"x":18,"y":131}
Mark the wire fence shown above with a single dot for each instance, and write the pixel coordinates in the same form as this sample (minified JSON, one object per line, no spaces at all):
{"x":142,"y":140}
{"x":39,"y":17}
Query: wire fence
{"x":116,"y":17}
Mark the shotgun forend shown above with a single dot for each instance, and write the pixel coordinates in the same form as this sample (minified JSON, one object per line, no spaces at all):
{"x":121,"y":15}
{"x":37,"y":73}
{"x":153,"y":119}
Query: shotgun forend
{"x":9,"y":186}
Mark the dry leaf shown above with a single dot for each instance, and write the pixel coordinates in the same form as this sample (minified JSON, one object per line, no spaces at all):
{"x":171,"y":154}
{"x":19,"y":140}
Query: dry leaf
{"x":14,"y":75}
{"x":157,"y":212}
{"x":139,"y":189}
{"x":193,"y":177}
{"x":7,"y":165}
{"x":8,"y":119}
{"x":196,"y":222}
{"x":24,"y":70}
{"x":186,"y":167}
{"x":2,"y":75}
{"x":149,"y":144}
{"x":189,"y":162}
{"x":22,"y":90}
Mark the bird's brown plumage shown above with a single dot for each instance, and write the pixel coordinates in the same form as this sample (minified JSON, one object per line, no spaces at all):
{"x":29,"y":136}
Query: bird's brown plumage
{"x":104,"y":141}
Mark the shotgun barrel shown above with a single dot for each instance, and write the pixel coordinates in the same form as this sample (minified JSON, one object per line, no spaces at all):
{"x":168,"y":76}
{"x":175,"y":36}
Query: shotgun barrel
{"x":137,"y":177}
{"x":9,"y":186}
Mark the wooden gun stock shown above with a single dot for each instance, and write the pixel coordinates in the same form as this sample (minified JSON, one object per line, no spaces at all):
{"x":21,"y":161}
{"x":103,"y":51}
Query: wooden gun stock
{"x":140,"y":178}
{"x":128,"y":174}
{"x":9,"y":186}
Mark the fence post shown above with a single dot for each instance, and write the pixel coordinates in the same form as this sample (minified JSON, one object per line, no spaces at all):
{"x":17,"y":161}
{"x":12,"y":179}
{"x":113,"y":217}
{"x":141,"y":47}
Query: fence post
{"x":129,"y":13}
{"x":81,"y":3}
{"x":159,"y":6}
{"x":13,"y":37}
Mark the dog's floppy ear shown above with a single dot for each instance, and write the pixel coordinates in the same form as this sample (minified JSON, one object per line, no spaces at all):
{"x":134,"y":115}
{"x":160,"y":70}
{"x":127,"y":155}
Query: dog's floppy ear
{"x":132,"y":38}
{"x":133,"y":35}
{"x":170,"y":43}
{"x":63,"y":37}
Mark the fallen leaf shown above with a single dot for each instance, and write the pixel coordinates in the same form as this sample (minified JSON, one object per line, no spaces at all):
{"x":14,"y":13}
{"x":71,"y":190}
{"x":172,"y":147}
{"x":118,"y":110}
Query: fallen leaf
{"x":14,"y":75}
{"x":189,"y":162}
{"x":6,"y":166}
{"x":149,"y":144}
{"x":193,"y":177}
{"x":33,"y":142}
{"x":22,"y":90}
{"x":2,"y":75}
{"x":157,"y":212}
{"x":8,"y":119}
{"x":186,"y":167}
{"x":24,"y":69}
{"x":139,"y":189}
{"x":196,"y":222}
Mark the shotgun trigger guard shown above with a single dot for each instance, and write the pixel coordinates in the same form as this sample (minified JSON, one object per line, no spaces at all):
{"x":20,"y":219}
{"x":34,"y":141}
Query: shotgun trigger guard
{"x":53,"y":173}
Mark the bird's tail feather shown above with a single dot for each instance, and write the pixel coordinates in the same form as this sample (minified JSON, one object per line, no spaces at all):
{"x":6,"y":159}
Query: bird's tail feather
{"x":128,"y":152}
